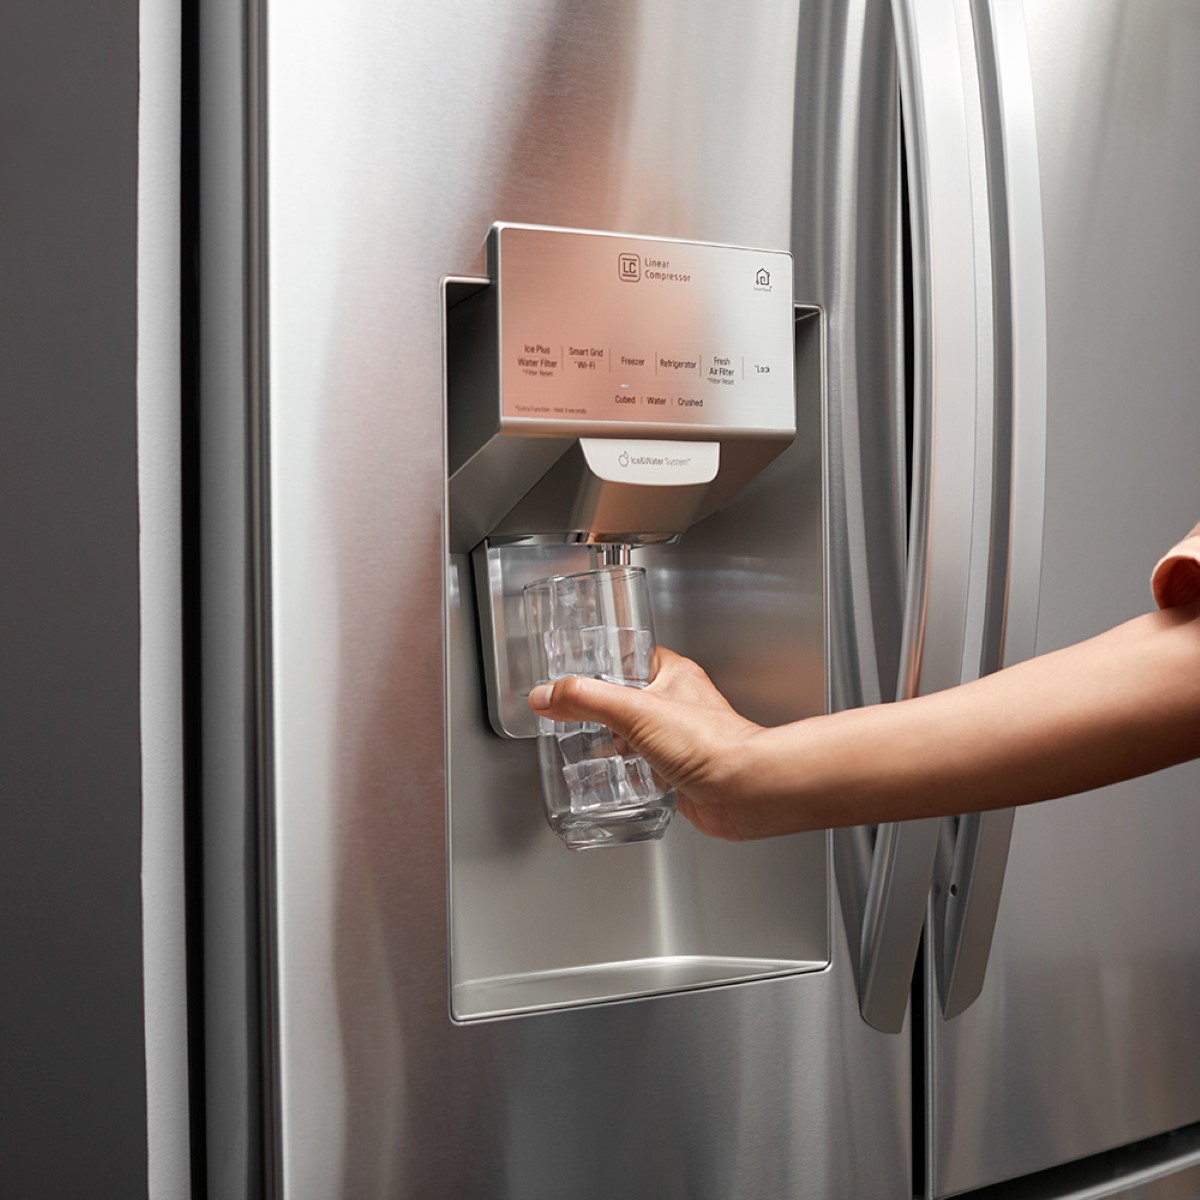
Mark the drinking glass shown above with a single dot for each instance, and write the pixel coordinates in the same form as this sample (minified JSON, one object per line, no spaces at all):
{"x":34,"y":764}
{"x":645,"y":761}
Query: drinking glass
{"x":597,"y":792}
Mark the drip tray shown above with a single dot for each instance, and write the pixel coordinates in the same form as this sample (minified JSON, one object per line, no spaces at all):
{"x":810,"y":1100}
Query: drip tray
{"x":536,"y":991}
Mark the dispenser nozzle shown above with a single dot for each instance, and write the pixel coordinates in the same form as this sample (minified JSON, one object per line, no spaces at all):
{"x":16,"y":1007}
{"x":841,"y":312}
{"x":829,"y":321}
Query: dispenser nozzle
{"x":613,"y":554}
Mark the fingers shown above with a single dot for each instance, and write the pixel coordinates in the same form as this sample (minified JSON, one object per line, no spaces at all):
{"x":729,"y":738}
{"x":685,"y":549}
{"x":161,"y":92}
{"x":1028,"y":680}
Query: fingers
{"x":582,"y":699}
{"x":681,"y":679}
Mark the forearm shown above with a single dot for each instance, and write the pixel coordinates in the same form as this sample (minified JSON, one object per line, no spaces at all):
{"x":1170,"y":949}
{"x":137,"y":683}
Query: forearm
{"x":1121,"y":704}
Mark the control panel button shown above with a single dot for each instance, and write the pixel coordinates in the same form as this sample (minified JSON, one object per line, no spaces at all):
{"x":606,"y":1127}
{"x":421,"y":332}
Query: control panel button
{"x":633,"y":361}
{"x":539,"y":360}
{"x":722,"y":369}
{"x":670,"y":365}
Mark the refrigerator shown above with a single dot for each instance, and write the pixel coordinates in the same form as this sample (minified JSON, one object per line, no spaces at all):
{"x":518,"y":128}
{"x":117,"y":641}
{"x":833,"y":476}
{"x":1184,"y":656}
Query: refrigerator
{"x":402,"y":985}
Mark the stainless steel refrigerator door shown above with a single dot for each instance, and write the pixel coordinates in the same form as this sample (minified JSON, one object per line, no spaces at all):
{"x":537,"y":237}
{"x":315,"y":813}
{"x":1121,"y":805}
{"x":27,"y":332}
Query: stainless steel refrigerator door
{"x":393,"y":136}
{"x":1086,"y":1035}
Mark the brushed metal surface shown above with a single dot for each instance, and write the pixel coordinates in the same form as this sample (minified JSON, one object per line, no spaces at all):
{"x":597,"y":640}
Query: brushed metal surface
{"x":1085,"y":1035}
{"x":1161,"y":1168}
{"x":394,"y":137}
{"x":1183,"y":1184}
{"x":159,"y":456}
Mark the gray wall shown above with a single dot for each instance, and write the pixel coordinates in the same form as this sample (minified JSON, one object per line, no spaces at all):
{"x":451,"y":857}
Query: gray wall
{"x":72,"y":1051}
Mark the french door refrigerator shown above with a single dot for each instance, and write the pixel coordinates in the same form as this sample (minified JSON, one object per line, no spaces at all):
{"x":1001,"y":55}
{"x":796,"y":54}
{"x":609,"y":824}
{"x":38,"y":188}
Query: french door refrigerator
{"x":409,"y":988}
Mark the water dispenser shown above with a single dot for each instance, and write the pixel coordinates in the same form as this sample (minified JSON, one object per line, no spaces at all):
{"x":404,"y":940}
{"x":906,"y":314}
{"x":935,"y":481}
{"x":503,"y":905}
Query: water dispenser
{"x":623,"y":425}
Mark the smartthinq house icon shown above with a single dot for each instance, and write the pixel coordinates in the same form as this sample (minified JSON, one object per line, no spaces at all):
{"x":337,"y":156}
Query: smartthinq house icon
{"x":629,"y":267}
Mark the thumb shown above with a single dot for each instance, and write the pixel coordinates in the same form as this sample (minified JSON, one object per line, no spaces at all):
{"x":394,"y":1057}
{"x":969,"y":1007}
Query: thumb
{"x":578,"y":698}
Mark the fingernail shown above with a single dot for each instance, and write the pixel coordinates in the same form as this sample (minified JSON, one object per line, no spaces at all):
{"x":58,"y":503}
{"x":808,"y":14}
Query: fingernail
{"x":540,"y":696}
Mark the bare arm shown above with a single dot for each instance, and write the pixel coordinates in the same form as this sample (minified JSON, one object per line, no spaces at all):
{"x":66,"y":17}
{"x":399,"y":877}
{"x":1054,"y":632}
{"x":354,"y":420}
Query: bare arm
{"x":1122,"y":704}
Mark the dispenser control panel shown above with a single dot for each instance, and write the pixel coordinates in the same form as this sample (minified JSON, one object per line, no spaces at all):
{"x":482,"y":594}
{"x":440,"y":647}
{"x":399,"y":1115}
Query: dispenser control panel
{"x":608,"y":328}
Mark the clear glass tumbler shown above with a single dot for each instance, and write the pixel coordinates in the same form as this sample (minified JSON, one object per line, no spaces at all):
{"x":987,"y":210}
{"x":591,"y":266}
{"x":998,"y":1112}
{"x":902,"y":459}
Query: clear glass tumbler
{"x":598,"y":623}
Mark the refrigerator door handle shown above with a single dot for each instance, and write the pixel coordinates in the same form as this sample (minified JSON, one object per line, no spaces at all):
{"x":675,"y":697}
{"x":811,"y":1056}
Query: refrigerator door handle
{"x":893,"y":864}
{"x":885,"y":887}
{"x":971,"y":863}
{"x":968,"y":879}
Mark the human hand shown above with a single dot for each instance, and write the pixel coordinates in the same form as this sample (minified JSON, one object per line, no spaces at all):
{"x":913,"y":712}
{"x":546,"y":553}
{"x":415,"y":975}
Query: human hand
{"x":686,"y":730}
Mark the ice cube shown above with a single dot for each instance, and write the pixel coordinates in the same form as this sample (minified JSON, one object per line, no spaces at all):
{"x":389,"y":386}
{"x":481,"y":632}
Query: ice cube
{"x":577,"y":651}
{"x":584,"y":741}
{"x":637,"y":783}
{"x":627,"y":654}
{"x":548,"y":728}
{"x":567,"y":728}
{"x":578,"y":602}
{"x":594,"y":783}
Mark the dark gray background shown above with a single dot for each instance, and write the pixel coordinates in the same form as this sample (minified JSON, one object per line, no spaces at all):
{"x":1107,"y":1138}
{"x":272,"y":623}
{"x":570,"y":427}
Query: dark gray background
{"x":72,"y":1052}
